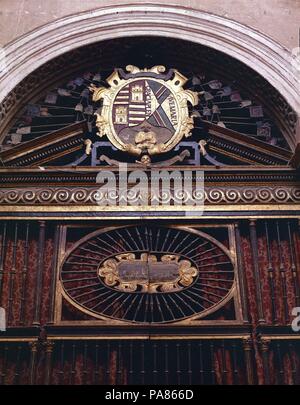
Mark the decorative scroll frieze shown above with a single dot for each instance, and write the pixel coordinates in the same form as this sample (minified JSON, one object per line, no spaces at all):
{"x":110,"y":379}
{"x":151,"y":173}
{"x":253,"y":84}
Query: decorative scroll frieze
{"x":90,"y":195}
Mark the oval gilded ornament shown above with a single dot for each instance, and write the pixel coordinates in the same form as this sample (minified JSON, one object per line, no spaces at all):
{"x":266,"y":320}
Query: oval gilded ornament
{"x":148,"y":274}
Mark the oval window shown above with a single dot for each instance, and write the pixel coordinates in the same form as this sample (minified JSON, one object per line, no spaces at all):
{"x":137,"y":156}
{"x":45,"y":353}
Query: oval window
{"x":147,"y":274}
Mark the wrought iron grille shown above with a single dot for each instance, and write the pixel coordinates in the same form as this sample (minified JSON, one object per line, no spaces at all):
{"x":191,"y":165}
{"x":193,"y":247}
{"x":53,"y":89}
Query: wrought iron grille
{"x":96,"y":362}
{"x":148,"y":274}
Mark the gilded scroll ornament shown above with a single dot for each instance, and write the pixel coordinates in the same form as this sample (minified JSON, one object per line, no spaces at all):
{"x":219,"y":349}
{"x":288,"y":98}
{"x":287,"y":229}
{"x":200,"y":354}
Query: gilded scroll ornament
{"x":148,"y":273}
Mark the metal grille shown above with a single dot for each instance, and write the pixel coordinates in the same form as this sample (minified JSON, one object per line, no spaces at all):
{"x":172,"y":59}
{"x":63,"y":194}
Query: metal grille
{"x":148,"y":274}
{"x":148,"y":362}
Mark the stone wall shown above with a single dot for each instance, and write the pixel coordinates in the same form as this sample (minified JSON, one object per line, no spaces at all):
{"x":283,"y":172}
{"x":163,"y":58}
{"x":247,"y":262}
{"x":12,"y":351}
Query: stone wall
{"x":18,"y":17}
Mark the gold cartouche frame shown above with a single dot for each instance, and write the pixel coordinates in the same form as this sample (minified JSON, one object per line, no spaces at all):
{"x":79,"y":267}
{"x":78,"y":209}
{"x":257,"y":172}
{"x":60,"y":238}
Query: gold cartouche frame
{"x":104,"y":120}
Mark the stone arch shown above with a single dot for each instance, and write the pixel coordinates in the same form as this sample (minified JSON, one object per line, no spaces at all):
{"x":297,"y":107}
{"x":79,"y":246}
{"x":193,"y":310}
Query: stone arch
{"x":254,"y":49}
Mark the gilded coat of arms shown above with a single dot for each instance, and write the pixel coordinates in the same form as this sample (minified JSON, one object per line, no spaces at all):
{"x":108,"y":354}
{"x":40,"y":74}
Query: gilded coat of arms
{"x":144,"y":112}
{"x":148,"y":274}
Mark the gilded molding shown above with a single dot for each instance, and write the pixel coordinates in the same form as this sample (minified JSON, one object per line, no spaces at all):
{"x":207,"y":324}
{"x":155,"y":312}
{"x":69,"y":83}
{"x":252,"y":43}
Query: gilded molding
{"x":89,"y":195}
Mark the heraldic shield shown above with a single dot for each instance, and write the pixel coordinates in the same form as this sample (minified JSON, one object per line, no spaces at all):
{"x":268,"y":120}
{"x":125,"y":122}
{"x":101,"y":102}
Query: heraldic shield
{"x":144,"y":111}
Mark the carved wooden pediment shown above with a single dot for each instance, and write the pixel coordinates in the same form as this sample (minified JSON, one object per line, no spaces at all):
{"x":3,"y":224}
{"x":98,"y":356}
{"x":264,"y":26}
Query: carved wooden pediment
{"x":219,"y":147}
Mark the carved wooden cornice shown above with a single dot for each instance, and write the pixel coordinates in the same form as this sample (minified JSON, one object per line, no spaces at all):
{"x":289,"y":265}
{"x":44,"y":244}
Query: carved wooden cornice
{"x":86,"y":176}
{"x":249,"y":150}
{"x":48,"y":148}
{"x":53,"y":175}
{"x":45,"y":148}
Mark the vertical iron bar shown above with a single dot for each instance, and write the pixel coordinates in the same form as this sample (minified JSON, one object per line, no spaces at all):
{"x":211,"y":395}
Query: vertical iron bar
{"x":293,"y":265}
{"x":24,"y":275}
{"x":212,"y":359}
{"x":131,"y":363}
{"x":190,"y":370}
{"x":18,"y":365}
{"x":57,"y":234}
{"x":155,"y":363}
{"x":40,"y":271}
{"x":224,"y":368}
{"x":2,"y":258}
{"x":271,"y":276}
{"x":146,"y":313}
{"x":241,"y":273}
{"x":235,"y":366}
{"x":150,"y":240}
{"x":254,"y":246}
{"x":62,"y":363}
{"x":84,"y":372}
{"x":151,"y":306}
{"x":178,"y":370}
{"x":48,"y":369}
{"x":96,"y":369}
{"x":166,"y":371}
{"x":282,"y":275}
{"x":280,"y":364}
{"x":4,"y":365}
{"x":33,"y":356}
{"x":293,"y":363}
{"x":147,"y":244}
{"x":157,"y":240}
{"x":143,"y":363}
{"x":73,"y":364}
{"x":119,"y":363}
{"x":201,"y":370}
{"x":265,"y":343}
{"x":247,"y":347}
{"x":107,"y":363}
{"x":12,"y":275}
